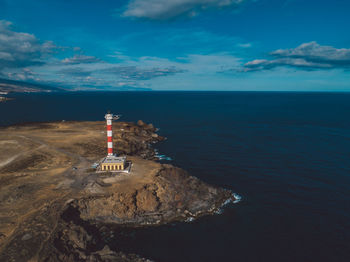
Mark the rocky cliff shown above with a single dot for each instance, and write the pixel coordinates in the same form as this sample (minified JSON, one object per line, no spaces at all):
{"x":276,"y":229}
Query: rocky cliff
{"x":54,"y":207}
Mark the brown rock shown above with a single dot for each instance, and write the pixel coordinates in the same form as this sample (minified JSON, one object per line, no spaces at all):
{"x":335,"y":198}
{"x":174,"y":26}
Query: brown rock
{"x":140,"y":123}
{"x":171,"y":191}
{"x":146,"y":200}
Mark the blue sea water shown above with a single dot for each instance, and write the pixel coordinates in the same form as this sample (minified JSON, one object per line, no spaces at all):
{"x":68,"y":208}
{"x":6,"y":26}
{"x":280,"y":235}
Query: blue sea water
{"x":286,"y":154}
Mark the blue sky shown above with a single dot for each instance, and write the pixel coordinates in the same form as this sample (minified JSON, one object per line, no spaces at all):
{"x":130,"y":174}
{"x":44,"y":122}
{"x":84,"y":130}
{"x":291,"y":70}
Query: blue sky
{"x":263,"y":45}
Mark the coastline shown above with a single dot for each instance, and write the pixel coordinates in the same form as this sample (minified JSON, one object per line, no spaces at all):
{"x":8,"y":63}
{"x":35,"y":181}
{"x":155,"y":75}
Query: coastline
{"x":78,"y":205}
{"x":4,"y":99}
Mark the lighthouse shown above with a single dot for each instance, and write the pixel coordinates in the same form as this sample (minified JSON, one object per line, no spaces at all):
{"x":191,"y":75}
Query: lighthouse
{"x":112,"y":162}
{"x":109,"y":118}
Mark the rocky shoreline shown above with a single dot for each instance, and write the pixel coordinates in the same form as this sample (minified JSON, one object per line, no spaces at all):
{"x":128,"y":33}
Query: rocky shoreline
{"x":82,"y":236}
{"x":78,"y":208}
{"x":4,"y":99}
{"x":173,"y":195}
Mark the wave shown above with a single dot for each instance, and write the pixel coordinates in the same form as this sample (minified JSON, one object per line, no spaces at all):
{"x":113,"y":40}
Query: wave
{"x":162,"y":157}
{"x":237,"y":197}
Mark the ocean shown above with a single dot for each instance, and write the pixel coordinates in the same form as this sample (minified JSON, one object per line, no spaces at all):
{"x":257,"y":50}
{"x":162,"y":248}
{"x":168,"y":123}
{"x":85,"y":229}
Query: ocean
{"x":286,"y":154}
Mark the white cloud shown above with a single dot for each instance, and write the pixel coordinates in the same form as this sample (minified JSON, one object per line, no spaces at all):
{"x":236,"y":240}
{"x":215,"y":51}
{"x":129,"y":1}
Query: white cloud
{"x":314,"y":52}
{"x":23,"y":74}
{"x":18,"y":49}
{"x":136,"y":73}
{"x":140,"y":72}
{"x":307,"y":56}
{"x":245,"y":45}
{"x":80,"y":59}
{"x":163,"y":10}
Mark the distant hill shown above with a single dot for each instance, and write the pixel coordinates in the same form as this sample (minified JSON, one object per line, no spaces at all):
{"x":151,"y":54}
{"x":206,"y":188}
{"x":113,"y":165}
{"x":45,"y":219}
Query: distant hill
{"x":9,"y":86}
{"x":12,"y":86}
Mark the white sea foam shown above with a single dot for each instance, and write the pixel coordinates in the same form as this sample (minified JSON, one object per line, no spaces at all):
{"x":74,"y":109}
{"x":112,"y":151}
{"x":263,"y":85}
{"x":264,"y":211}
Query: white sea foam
{"x":162,"y":157}
{"x":227,"y":202}
{"x":237,"y":197}
{"x":189,"y":219}
{"x":219,"y":211}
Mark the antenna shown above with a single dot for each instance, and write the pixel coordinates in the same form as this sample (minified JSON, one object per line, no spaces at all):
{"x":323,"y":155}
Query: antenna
{"x":116,"y":117}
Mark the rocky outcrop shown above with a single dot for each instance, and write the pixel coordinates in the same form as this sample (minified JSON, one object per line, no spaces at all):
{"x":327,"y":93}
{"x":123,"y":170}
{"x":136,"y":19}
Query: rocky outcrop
{"x":77,"y":240}
{"x":82,"y":232}
{"x":172,"y":195}
{"x":55,"y":207}
{"x":136,"y":139}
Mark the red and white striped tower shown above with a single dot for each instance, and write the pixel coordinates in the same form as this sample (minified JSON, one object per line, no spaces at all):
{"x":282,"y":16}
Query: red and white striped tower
{"x":109,"y":118}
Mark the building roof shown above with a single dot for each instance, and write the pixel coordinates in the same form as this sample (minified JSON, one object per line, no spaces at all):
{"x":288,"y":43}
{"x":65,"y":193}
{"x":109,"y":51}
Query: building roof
{"x":114,"y":160}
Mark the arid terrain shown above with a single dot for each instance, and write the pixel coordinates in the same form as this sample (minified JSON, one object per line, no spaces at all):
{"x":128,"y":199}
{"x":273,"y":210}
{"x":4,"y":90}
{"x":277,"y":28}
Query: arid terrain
{"x":55,"y":207}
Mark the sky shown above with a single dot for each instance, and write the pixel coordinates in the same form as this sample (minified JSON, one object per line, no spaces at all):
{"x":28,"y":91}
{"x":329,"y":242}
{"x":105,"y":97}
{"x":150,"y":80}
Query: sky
{"x":220,"y":45}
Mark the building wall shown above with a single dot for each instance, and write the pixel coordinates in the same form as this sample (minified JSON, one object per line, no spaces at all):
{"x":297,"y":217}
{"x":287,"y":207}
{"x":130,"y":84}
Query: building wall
{"x":112,"y":167}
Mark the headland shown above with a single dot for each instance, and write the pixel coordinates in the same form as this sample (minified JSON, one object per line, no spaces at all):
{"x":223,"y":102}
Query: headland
{"x":3,"y":98}
{"x":55,"y":207}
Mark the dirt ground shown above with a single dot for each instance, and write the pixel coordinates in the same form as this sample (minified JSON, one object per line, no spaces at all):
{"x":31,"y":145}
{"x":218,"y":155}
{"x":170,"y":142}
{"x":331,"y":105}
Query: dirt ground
{"x":54,"y":206}
{"x":46,"y":163}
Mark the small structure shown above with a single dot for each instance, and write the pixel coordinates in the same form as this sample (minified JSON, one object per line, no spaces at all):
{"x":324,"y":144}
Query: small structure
{"x":112,"y":162}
